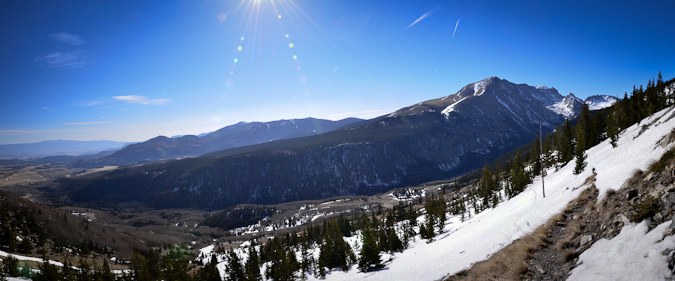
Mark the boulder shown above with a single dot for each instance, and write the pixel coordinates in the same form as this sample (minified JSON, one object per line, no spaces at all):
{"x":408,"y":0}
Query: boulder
{"x":585,"y":239}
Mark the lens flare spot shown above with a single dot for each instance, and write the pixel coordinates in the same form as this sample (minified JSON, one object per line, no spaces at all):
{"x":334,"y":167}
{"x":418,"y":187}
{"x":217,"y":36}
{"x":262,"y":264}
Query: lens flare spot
{"x":295,"y":57}
{"x":242,"y":38}
{"x":298,"y":68}
{"x":279,"y":16}
{"x":287,"y":35}
{"x":303,"y":79}
{"x":239,"y":48}
{"x":236,"y":60}
{"x":222,"y":17}
{"x":291,"y":45}
{"x":231,"y":72}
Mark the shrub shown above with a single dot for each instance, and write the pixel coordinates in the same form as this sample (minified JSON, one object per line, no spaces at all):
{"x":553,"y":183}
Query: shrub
{"x":660,"y":165}
{"x":647,"y":208}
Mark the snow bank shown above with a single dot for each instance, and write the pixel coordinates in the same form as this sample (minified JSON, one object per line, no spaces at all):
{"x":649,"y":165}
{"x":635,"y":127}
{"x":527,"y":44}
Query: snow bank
{"x":476,"y":239}
{"x":25,"y":258}
{"x":634,"y":254}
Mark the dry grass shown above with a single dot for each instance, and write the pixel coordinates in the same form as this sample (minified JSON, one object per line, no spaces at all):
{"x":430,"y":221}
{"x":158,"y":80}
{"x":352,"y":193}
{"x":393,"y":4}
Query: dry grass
{"x":606,"y":199}
{"x":508,"y":263}
{"x":589,"y":180}
{"x":570,"y":255}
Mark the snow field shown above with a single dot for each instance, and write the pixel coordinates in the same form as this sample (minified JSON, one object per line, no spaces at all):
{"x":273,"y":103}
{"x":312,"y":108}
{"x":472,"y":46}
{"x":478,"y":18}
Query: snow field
{"x":634,"y":254}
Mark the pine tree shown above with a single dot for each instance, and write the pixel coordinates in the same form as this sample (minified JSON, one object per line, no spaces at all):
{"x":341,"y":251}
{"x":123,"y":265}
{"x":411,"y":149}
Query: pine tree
{"x":106,"y":274}
{"x":335,"y":252}
{"x":546,"y":152}
{"x":210,"y":272}
{"x":47,"y":271}
{"x":307,"y":260}
{"x":518,"y":178}
{"x":580,"y":154}
{"x":395,"y":244}
{"x":11,"y":265}
{"x":291,"y":263}
{"x":441,"y":207}
{"x":253,"y":265}
{"x":566,"y":152}
{"x":484,"y":185}
{"x":370,"y":254}
{"x":68,"y":272}
{"x":612,"y":127}
{"x":85,"y":271}
{"x":235,"y":272}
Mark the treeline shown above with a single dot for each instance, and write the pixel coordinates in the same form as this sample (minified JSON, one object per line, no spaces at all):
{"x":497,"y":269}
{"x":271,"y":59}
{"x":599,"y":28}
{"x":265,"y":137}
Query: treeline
{"x":235,"y":217}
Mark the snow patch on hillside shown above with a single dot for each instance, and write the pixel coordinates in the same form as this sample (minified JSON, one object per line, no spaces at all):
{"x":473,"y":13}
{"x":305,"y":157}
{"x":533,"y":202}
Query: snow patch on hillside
{"x":25,"y":258}
{"x":451,"y":107}
{"x":634,"y":254}
{"x":479,"y":87}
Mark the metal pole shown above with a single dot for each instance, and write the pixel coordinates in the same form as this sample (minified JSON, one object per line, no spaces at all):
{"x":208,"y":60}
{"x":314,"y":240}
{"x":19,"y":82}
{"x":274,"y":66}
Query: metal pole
{"x":541,"y":161}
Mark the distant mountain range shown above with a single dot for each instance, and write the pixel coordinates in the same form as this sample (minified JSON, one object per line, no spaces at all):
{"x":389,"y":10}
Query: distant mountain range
{"x":431,"y":140}
{"x":240,"y":134}
{"x":56,"y":147}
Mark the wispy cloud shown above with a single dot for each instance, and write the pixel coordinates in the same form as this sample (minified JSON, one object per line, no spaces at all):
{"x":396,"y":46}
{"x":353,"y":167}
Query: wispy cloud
{"x":19,"y":131}
{"x":68,"y":38}
{"x":141,"y":100}
{"x":86,"y":123}
{"x":62,"y":60}
{"x":92,"y":103}
{"x":456,"y":25}
{"x":424,"y":16}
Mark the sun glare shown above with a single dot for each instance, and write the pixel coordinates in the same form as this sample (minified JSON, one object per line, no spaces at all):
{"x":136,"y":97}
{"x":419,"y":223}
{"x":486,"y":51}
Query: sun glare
{"x":265,"y":15}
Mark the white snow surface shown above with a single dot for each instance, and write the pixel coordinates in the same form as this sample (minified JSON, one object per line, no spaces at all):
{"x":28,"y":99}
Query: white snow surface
{"x":451,"y":108}
{"x":25,"y":258}
{"x":476,"y":239}
{"x":634,"y":254}
{"x":479,"y":87}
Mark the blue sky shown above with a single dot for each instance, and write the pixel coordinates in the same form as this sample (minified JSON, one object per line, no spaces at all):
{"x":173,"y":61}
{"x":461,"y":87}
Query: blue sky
{"x":132,"y":70}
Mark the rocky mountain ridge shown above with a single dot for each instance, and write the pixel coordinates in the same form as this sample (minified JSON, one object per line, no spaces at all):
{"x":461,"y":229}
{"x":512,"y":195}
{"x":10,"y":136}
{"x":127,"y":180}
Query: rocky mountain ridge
{"x":432,"y":140}
{"x":240,"y":134}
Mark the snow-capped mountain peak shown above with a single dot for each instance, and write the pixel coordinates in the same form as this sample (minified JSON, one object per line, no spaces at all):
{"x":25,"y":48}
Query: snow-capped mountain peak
{"x":598,"y":102}
{"x":569,"y":106}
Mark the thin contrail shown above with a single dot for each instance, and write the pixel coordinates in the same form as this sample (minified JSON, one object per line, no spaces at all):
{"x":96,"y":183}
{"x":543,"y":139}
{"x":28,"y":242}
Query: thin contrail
{"x":428,"y":13}
{"x":456,"y":25}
